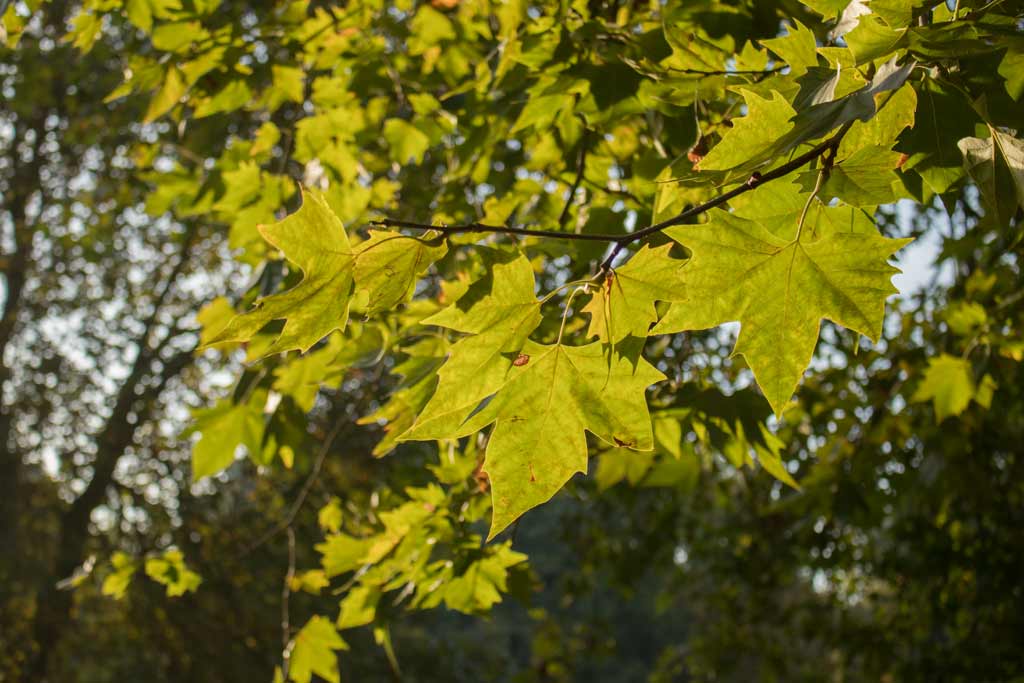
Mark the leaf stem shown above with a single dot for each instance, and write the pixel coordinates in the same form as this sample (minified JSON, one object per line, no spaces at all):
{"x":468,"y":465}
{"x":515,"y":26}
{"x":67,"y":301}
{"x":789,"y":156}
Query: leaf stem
{"x":565,"y":313}
{"x":822,"y":174}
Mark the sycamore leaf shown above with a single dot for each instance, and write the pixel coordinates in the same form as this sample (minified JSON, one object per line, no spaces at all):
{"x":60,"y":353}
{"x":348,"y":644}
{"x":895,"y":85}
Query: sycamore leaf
{"x":873,"y":38}
{"x":867,"y":178}
{"x":312,"y":652}
{"x":117,"y":582}
{"x":541,"y":414}
{"x":405,"y":141}
{"x":996,"y":165}
{"x":313,"y":239}
{"x":779,"y":288}
{"x":500,"y":311}
{"x":944,"y":117}
{"x":479,"y":588}
{"x":388,"y":265}
{"x":797,"y":48}
{"x":359,"y":607}
{"x":1011,"y":68}
{"x":772,"y":127}
{"x":829,"y":9}
{"x":171,"y":571}
{"x":624,"y":304}
{"x":752,"y":136}
{"x":949,"y":384}
{"x":383,"y":270}
{"x":223,"y":428}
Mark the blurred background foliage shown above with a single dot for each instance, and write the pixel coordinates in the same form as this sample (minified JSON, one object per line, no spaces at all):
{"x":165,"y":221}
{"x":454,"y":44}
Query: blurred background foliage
{"x":900,"y":559}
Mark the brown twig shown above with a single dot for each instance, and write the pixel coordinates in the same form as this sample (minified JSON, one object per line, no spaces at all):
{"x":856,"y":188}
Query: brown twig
{"x":621,"y":241}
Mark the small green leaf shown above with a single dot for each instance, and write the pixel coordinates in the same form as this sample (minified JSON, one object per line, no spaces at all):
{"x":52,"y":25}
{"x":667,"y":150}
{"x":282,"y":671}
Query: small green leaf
{"x":624,"y":304}
{"x":479,"y":588}
{"x":117,"y":582}
{"x":313,"y":652}
{"x":171,"y":571}
{"x":797,"y":48}
{"x":949,"y":384}
{"x":405,"y":141}
{"x":389,"y":264}
{"x":224,"y":427}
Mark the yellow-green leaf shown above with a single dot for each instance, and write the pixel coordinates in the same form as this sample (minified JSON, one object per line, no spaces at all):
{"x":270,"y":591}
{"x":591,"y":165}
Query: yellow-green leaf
{"x":780,"y":288}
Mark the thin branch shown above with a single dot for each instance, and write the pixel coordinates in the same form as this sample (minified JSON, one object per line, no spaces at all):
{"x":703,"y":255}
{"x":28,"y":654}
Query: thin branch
{"x":286,"y":592}
{"x":286,"y":523}
{"x":622,"y":241}
{"x":581,"y":166}
{"x":498,"y":229}
{"x":755,"y":180}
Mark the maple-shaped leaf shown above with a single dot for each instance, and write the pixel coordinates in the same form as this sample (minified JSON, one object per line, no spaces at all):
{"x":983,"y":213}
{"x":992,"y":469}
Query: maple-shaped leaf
{"x":315,"y":240}
{"x":996,"y":165}
{"x":624,"y":304}
{"x":388,"y":264}
{"x":312,"y":652}
{"x":223,"y":427}
{"x":867,"y":178}
{"x":383,"y":270}
{"x":499,"y":311}
{"x":550,"y":399}
{"x":480,"y":586}
{"x":779,"y":288}
{"x":753,"y":136}
{"x":949,"y":384}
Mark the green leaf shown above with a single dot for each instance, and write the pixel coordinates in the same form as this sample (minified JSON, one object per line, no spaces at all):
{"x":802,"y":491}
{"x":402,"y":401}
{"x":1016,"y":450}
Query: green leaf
{"x":829,"y":9}
{"x":343,"y":553}
{"x":501,"y":311}
{"x":797,"y":48}
{"x":171,"y":571}
{"x":996,"y":165}
{"x":944,"y":117}
{"x":312,"y":652}
{"x":753,"y":135}
{"x":232,"y":96}
{"x":779,"y":288}
{"x":313,"y":239}
{"x":358,"y":608}
{"x":552,"y":396}
{"x":624,"y":304}
{"x":405,"y":141}
{"x":170,"y":93}
{"x":388,"y":266}
{"x":873,"y":39}
{"x":479,"y":588}
{"x":117,"y":582}
{"x":865,"y":179}
{"x":1011,"y":68}
{"x":214,"y":317}
{"x":224,"y":427}
{"x":949,"y":384}
{"x":329,"y":516}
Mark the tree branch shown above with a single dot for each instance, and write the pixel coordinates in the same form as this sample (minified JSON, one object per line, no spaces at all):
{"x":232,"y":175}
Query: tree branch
{"x":620,"y":241}
{"x":755,"y":180}
{"x":581,"y":166}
